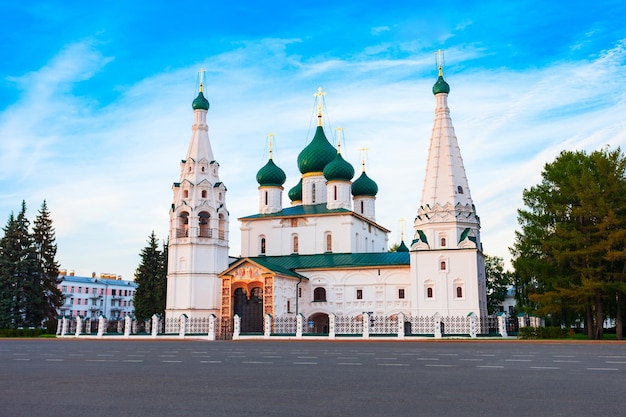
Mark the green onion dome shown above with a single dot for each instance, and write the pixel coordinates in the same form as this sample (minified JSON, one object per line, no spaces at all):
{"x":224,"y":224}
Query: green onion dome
{"x":200,"y":103}
{"x":271,"y":175}
{"x":295,"y":194}
{"x":338,"y":170}
{"x":441,"y":86}
{"x":317,"y":154}
{"x":364,"y":186}
{"x":402,"y":247}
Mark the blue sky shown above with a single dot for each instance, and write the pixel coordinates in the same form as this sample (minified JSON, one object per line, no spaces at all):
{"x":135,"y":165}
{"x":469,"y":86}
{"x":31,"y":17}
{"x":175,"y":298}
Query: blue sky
{"x":95,"y":103}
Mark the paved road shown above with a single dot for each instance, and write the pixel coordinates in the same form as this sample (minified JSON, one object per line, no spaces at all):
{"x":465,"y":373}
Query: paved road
{"x":255,"y":378}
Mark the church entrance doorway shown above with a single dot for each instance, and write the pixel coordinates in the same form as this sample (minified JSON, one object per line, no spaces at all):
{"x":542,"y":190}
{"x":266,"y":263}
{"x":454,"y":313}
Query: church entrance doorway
{"x":318,"y":323}
{"x":250,"y":309}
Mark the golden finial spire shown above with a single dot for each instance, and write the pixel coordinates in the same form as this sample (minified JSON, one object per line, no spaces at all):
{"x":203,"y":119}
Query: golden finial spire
{"x":339,"y":130}
{"x":270,"y":136}
{"x":363,"y":153}
{"x":201,"y":73}
{"x":319,"y":98}
{"x":440,"y":61}
{"x":402,"y":228}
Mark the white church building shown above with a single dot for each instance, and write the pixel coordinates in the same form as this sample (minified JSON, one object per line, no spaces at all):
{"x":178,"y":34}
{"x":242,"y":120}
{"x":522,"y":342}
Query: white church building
{"x":324,"y":253}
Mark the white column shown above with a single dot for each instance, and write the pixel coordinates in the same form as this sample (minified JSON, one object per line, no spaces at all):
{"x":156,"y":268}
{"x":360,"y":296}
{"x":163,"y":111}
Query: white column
{"x":155,"y":325}
{"x":331,"y":325}
{"x":101,"y":325}
{"x":473,"y":332}
{"x":79,"y":324}
{"x":366,"y":325}
{"x":437,"y":326}
{"x":212,"y":319}
{"x":267,"y":326}
{"x":128,"y":323}
{"x":299,"y":321}
{"x":236,"y":327}
{"x":502,"y":324}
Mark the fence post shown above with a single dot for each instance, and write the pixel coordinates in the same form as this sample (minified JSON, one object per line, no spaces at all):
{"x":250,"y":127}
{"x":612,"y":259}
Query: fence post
{"x":437,"y":326}
{"x":472,"y":325}
{"x":79,"y":324}
{"x":267,"y":326}
{"x":502,"y":324}
{"x":299,"y":321}
{"x":366,"y":325}
{"x":211,"y":335}
{"x":101,"y":325}
{"x":331,"y":325}
{"x":236,"y":327}
{"x":521,"y":320}
{"x":155,"y":325}
{"x":182,"y":322}
{"x":400,"y":325}
{"x":128,"y":323}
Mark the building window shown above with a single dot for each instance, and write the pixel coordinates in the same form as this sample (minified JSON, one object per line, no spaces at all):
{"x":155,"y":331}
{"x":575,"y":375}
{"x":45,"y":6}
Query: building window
{"x":443,"y":242}
{"x":335,"y":192}
{"x":459,"y":292}
{"x":401,"y":293}
{"x":313,"y":193}
{"x":329,"y":242}
{"x":263,"y":245}
{"x":266,"y":198}
{"x":359,"y":294}
{"x":429,"y":292}
{"x":295,"y":244}
{"x":186,"y":193}
{"x":288,"y":306}
{"x":460,"y":189}
{"x":205,"y":230}
{"x":80,"y":290}
{"x":299,"y":292}
{"x":362,"y":207}
{"x":204,"y":192}
{"x":319,"y":294}
{"x":442,"y":265}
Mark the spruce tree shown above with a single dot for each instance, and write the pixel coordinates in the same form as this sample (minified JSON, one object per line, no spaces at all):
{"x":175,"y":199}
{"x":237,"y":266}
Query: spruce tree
{"x":151,"y":279}
{"x":8,"y":283}
{"x":46,"y":248}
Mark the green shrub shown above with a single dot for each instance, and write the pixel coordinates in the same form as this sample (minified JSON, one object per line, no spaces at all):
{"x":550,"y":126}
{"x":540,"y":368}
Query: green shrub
{"x":21,"y":332}
{"x":543,"y":333}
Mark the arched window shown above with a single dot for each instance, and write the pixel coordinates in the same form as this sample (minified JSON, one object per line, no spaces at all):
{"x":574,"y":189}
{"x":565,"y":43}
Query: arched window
{"x":313,"y":193}
{"x":295,"y":244}
{"x":329,"y":242}
{"x":204,"y":193}
{"x":221,"y":227}
{"x":266,"y":198}
{"x":205,"y":227}
{"x":429,"y":292}
{"x":186,"y":194}
{"x":443,"y":242}
{"x":263,"y":245}
{"x":319,"y":294}
{"x":442,"y":265}
{"x":335,"y":192}
{"x":183,"y":225}
{"x":459,"y":292}
{"x":362,"y":207}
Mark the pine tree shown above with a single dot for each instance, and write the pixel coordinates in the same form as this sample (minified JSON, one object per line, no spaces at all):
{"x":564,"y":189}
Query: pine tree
{"x":23,"y":294}
{"x":46,"y":248}
{"x":151,"y":279}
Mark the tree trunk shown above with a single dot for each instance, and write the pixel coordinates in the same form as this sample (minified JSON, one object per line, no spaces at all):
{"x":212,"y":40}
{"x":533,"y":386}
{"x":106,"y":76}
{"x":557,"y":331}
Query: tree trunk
{"x":619,"y":326}
{"x":599,"y":315}
{"x":589,"y":322}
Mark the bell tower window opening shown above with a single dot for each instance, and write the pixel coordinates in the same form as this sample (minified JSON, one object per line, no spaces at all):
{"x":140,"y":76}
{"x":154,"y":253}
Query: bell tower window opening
{"x":362,"y":207}
{"x":460,"y":189}
{"x":442,"y":265}
{"x":203,"y":222}
{"x":221,"y":227}
{"x":183,"y":225}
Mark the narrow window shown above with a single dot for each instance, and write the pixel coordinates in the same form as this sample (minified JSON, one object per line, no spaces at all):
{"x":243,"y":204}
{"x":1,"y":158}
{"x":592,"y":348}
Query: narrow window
{"x":335,"y":192}
{"x":442,"y":265}
{"x":443,"y":242}
{"x":319,"y":294}
{"x":401,"y":293}
{"x":299,"y":292}
{"x":266,"y":198}
{"x":295,"y":244}
{"x":429,"y":292}
{"x":313,"y":193}
{"x":288,"y":306}
{"x":359,"y":294}
{"x":186,"y":194}
{"x":362,"y":207}
{"x":459,"y":292}
{"x":329,"y":243}
{"x":263,"y":245}
{"x":203,"y":193}
{"x":460,"y":189}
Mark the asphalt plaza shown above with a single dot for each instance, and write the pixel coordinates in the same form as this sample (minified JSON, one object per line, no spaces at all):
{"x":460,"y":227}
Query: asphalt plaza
{"x":55,"y":377}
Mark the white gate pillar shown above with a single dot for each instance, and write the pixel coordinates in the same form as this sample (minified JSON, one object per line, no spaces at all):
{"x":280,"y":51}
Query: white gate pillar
{"x":299,"y":322}
{"x":366,"y":325}
{"x":400,"y":317}
{"x":437,"y":326}
{"x":182,"y":325}
{"x":267,"y":326}
{"x":155,"y":325}
{"x":128,"y":324}
{"x":502,"y":324}
{"x":331,"y":325}
{"x":473,"y":325}
{"x":212,"y":319}
{"x":236,"y":327}
{"x":101,"y":325}
{"x":79,"y":325}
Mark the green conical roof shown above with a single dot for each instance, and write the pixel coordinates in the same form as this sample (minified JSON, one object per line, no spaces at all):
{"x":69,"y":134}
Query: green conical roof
{"x":317,"y":154}
{"x":364,"y":186}
{"x":295,"y":194}
{"x":338,"y":170}
{"x":441,"y":86}
{"x":271,"y":175}
{"x":200,"y":102}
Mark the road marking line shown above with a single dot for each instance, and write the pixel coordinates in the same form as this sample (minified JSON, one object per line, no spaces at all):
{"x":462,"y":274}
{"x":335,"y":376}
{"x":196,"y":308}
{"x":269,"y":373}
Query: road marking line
{"x":100,"y":360}
{"x":427,"y":359}
{"x":602,"y":369}
{"x":544,"y":367}
{"x":518,"y":360}
{"x":386,"y":359}
{"x":349,"y":363}
{"x":564,"y":356}
{"x":171,"y":361}
{"x":450,"y":354}
{"x":210,"y":361}
{"x":559,"y":361}
{"x":21,"y":359}
{"x":615,"y":362}
{"x":393,"y":364}
{"x":475,"y":360}
{"x":441,"y":366}
{"x":307,"y":357}
{"x":490,"y":366}
{"x":133,"y":360}
{"x":305,"y":363}
{"x":612,"y":357}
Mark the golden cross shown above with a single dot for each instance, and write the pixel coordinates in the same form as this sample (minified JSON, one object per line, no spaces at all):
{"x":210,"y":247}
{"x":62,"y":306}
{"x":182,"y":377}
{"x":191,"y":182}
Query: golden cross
{"x":363,"y":153}
{"x":402,"y":228}
{"x":339,"y":130}
{"x":440,"y":61}
{"x":201,"y":71}
{"x":319,"y":97}
{"x":270,"y":137}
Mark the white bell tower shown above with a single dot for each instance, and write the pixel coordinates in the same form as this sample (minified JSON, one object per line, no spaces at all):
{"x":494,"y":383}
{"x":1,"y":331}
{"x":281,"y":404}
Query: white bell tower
{"x":198,"y":235}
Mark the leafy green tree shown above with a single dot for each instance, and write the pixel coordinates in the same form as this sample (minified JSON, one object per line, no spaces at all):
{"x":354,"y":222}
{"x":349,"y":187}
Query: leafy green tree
{"x":498,"y":282}
{"x":46,"y":248}
{"x":570,"y":254}
{"x":151,"y":279}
